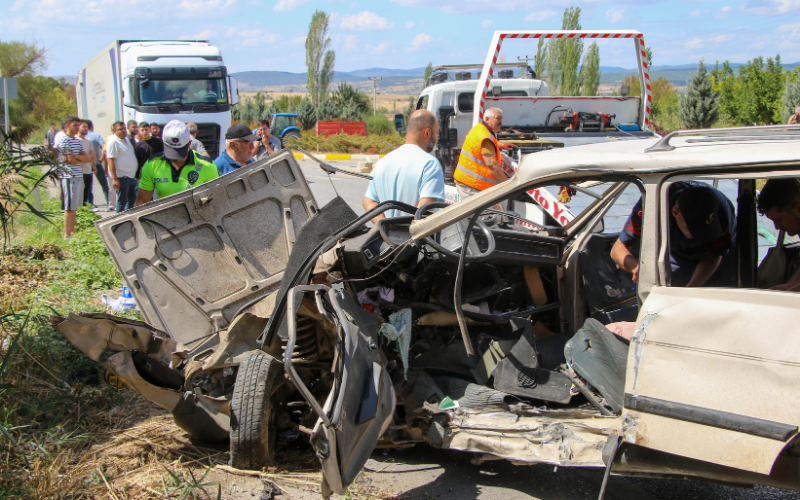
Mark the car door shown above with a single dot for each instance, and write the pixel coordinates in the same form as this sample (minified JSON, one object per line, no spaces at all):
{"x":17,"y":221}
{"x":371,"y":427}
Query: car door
{"x":713,"y":374}
{"x":195,"y":259}
{"x":361,"y":403}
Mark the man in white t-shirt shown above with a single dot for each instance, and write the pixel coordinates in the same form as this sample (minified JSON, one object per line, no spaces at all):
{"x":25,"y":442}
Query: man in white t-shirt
{"x":122,"y":166}
{"x":409,"y":173}
{"x":71,"y":156}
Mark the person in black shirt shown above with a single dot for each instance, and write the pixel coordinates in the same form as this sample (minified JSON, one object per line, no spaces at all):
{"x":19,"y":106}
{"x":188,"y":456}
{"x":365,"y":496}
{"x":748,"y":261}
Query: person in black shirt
{"x":702,"y":233}
{"x":147,"y":147}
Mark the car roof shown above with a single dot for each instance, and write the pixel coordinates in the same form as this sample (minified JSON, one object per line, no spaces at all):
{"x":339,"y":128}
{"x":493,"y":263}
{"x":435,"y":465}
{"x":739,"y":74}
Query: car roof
{"x":683,"y":150}
{"x":632,"y":154}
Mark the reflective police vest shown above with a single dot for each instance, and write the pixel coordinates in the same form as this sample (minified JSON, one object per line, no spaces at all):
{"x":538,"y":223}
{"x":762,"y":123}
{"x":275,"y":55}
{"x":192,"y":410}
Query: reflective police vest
{"x":472,"y":170}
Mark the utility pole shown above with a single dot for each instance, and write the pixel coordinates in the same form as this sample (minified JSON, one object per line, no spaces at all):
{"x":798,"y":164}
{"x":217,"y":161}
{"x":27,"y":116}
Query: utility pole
{"x":526,"y":59}
{"x":374,"y":81}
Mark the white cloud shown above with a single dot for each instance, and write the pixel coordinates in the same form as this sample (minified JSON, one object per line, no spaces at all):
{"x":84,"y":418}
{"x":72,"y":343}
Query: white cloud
{"x":615,"y":14}
{"x":541,"y":15}
{"x":695,"y":13}
{"x":203,"y":35}
{"x":466,"y":7}
{"x":297,"y":40}
{"x":421,"y":40}
{"x":287,"y":5}
{"x":196,"y":8}
{"x":486,"y":23}
{"x":365,"y":21}
{"x":724,"y":12}
{"x":377,"y":49}
{"x":410,"y":24}
{"x":350,"y":43}
{"x":771,"y":7}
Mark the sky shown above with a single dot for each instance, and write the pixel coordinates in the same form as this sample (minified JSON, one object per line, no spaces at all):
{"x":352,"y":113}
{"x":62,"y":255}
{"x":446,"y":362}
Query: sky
{"x":258,"y":35}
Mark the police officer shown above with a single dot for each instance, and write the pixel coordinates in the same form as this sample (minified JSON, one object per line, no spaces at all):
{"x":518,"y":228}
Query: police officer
{"x":702,"y":233}
{"x":177,"y":168}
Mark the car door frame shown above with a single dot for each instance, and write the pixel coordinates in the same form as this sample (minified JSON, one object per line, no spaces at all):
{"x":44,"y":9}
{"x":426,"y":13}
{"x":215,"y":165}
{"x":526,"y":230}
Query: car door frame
{"x":697,"y":385}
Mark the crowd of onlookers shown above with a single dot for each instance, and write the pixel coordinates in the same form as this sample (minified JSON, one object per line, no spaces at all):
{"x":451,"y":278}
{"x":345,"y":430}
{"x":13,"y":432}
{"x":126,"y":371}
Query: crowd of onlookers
{"x":141,"y":161}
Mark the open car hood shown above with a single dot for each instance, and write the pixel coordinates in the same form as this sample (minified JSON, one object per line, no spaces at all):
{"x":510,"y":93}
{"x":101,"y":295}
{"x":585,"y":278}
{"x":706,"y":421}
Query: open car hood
{"x":193,"y":260}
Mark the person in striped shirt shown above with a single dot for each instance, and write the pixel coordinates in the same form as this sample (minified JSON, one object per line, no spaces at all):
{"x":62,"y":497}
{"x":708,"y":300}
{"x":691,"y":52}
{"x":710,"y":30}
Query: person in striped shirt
{"x":71,"y":156}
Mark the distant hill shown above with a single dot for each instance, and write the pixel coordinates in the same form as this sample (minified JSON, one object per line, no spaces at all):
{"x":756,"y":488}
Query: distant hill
{"x":410,"y":80}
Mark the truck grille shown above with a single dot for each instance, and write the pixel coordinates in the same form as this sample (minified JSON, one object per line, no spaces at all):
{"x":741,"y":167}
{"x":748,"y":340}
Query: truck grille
{"x":208,"y":134}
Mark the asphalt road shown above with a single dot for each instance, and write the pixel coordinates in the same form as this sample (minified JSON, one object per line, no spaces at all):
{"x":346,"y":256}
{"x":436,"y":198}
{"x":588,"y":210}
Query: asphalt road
{"x":426,"y":473}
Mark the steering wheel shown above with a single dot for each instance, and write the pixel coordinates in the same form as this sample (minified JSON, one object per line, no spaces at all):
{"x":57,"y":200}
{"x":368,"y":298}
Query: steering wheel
{"x":456,"y":253}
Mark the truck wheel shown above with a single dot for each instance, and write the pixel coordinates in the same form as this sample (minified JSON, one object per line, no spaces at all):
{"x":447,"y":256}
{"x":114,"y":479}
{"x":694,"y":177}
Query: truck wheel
{"x":252,"y":429}
{"x":292,"y":134}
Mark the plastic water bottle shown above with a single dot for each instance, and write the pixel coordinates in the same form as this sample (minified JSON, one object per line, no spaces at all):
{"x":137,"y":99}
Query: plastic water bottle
{"x":126,"y":292}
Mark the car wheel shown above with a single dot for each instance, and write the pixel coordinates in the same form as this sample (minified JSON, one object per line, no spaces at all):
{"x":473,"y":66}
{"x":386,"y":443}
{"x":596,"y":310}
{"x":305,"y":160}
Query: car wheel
{"x":252,"y":430}
{"x":293,"y":134}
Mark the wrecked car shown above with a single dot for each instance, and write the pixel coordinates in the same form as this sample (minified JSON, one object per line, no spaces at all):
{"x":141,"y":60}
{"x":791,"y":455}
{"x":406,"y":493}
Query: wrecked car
{"x":466,"y":326}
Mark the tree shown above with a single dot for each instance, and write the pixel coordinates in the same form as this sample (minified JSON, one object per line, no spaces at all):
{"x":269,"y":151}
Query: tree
{"x":428,"y":72}
{"x":21,"y":59}
{"x":345,"y":94}
{"x":724,"y":82}
{"x":565,"y":56}
{"x":328,"y":110}
{"x":540,"y":63}
{"x":754,"y":96}
{"x":590,"y":71}
{"x":791,"y":94}
{"x":307,"y":114}
{"x":665,"y":98}
{"x":698,"y":107}
{"x":319,"y":59}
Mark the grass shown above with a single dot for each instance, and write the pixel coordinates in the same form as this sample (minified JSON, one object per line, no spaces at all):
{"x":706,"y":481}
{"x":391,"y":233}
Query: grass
{"x":53,"y":403}
{"x":353,"y":144}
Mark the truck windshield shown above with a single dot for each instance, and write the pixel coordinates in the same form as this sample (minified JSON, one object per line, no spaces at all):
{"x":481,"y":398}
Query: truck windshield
{"x":152,"y":92}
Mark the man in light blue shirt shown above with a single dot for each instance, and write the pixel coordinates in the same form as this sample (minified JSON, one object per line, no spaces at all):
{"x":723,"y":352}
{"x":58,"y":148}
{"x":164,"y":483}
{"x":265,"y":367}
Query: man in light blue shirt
{"x":409,"y":173}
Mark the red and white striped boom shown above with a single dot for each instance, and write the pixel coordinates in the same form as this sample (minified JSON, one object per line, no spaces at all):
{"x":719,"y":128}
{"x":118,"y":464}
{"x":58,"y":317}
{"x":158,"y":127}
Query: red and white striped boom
{"x":497,"y":40}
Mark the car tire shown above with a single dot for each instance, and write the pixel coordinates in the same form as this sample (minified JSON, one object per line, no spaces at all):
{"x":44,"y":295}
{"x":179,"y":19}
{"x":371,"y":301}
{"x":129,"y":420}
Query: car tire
{"x":252,"y":429}
{"x":289,"y":135}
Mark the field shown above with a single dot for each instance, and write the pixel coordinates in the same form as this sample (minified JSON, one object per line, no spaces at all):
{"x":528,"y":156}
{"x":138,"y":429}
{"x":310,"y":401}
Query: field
{"x":394,"y":103}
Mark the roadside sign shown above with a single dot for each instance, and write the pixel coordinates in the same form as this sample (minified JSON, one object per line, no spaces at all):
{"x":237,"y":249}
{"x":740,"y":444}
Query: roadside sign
{"x":11,"y":83}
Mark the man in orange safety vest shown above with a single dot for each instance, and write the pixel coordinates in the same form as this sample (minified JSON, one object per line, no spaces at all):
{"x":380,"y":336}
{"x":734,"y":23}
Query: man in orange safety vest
{"x":480,"y":165}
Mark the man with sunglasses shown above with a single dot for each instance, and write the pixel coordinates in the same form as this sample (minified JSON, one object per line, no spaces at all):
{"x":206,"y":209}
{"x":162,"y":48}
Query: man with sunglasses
{"x":238,"y":149}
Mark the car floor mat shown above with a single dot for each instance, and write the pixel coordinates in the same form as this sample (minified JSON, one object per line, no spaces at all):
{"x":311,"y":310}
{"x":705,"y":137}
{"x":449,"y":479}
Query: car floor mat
{"x":470,"y":395}
{"x":520,"y":373}
{"x":600,"y":357}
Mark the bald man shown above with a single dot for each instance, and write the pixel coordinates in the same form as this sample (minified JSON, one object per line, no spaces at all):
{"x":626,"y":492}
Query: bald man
{"x":480,"y":165}
{"x":409,"y":173}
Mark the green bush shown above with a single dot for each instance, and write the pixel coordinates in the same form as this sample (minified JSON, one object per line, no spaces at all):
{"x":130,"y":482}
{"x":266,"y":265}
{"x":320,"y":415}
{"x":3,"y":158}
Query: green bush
{"x":378,"y":124}
{"x":85,"y":218}
{"x":343,"y":143}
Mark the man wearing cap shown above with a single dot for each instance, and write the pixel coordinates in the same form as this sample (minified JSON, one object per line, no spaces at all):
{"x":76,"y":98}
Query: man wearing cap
{"x":702,"y":232}
{"x":176,"y":169}
{"x":238,"y":149}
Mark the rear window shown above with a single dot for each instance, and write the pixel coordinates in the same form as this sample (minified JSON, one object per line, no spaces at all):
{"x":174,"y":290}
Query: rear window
{"x":466,"y":100}
{"x":423,"y":102}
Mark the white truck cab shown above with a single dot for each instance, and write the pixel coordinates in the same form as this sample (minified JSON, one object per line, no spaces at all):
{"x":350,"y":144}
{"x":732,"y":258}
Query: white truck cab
{"x":158,"y":81}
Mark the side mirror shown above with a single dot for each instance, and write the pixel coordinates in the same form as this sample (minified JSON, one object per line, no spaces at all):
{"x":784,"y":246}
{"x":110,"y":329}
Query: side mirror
{"x":400,"y":123}
{"x":127,"y":91}
{"x":496,"y":91}
{"x":233,"y":88}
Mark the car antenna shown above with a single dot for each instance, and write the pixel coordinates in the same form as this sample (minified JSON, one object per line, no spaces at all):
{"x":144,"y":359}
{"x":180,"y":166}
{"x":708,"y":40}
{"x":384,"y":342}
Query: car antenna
{"x":330,"y":169}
